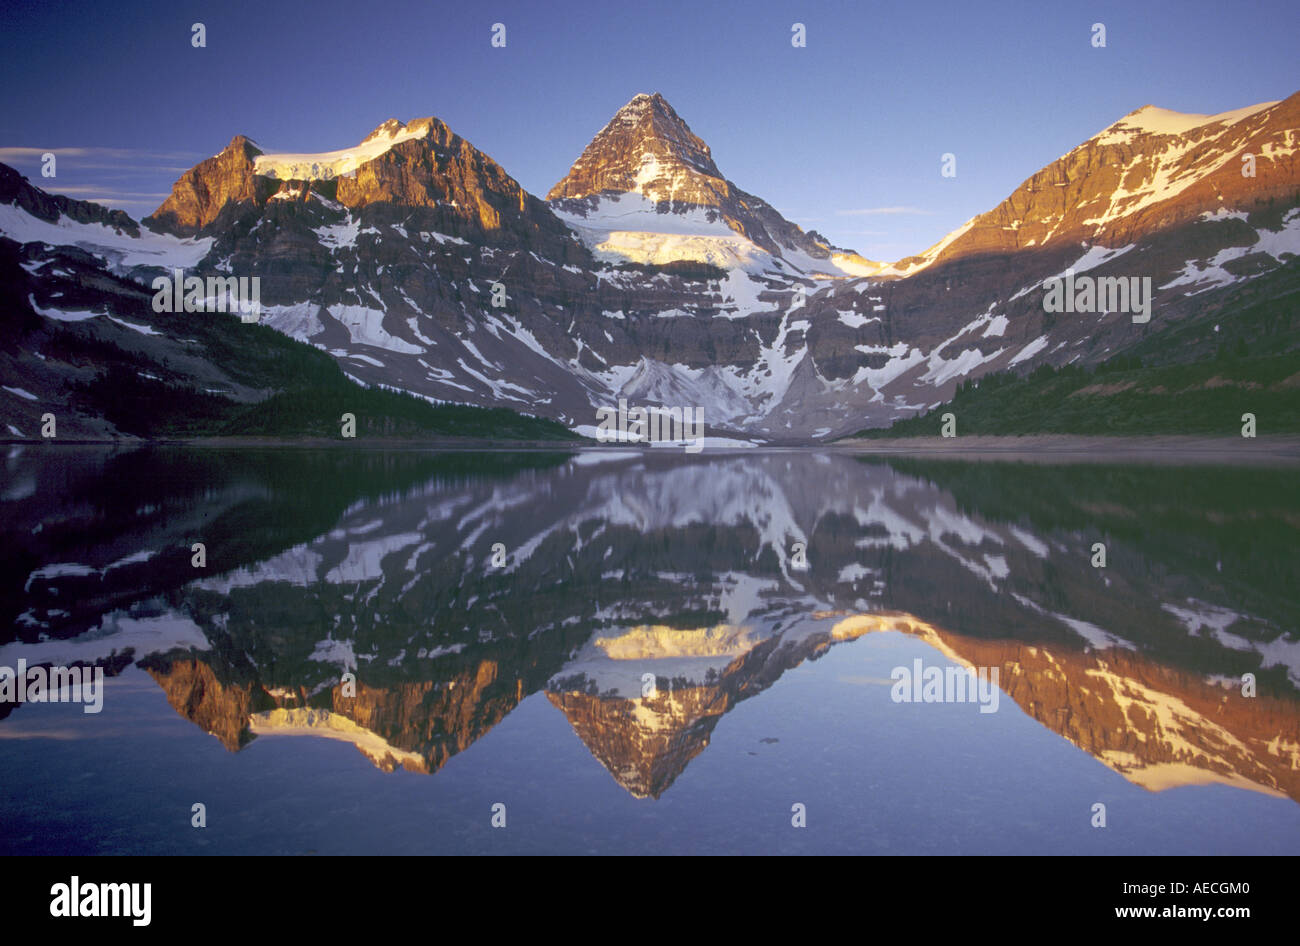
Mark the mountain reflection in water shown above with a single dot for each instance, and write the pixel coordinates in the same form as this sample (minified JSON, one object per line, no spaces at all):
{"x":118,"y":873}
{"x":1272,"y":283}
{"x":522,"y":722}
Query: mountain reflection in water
{"x":646,"y":596}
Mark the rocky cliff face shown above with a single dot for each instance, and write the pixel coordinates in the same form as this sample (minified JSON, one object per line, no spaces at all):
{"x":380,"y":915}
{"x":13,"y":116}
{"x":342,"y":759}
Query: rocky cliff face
{"x":204,"y":190}
{"x":646,"y":742}
{"x":648,"y":149}
{"x":432,"y":178}
{"x":416,"y":725}
{"x":221,"y":709}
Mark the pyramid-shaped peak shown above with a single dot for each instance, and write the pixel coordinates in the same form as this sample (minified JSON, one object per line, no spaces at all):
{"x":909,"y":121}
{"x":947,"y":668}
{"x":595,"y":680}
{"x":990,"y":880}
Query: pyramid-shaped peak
{"x":641,"y":101}
{"x":650,"y":108}
{"x":645,"y":148}
{"x":244,"y":144}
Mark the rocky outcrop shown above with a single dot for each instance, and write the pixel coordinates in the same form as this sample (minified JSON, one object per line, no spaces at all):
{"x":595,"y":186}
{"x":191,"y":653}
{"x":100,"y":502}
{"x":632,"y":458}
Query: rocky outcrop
{"x":426,"y":176}
{"x":205,"y":189}
{"x":644,"y":744}
{"x":648,"y":149}
{"x":15,"y":189}
{"x":465,"y":193}
{"x":219,"y":708}
{"x":417,"y":725}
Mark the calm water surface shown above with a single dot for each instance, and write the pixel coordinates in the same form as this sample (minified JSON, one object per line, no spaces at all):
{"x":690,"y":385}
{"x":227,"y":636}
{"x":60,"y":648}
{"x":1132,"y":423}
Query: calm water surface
{"x":648,"y":653}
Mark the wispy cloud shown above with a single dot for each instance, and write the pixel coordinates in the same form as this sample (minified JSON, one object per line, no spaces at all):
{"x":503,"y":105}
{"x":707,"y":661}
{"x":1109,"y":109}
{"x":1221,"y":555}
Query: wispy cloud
{"x":62,"y":735}
{"x":871,"y":211}
{"x":136,"y":208}
{"x":129,"y":179}
{"x":9,"y":155}
{"x":860,"y":680}
{"x":109,"y":194}
{"x":116,"y":161}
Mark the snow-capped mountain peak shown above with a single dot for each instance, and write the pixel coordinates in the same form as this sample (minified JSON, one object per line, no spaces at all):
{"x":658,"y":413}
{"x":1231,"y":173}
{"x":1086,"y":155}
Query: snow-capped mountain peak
{"x":646,"y":149}
{"x":647,"y":190}
{"x":716,"y":301}
{"x":1162,"y":121}
{"x":1150,"y":170}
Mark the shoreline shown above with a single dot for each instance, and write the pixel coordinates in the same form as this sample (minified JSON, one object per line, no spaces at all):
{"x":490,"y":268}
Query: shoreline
{"x":311,"y":443}
{"x":1162,"y":449}
{"x":1165,"y":448}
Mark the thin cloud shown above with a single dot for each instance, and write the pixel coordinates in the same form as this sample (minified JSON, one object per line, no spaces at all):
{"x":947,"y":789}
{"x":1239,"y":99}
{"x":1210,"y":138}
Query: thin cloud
{"x":870,"y":211}
{"x":116,"y":154}
{"x":108,"y":194}
{"x":132,"y":206}
{"x":860,"y":680}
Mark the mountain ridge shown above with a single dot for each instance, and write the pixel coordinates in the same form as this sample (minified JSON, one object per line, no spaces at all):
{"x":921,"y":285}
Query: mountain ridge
{"x":427,"y":268}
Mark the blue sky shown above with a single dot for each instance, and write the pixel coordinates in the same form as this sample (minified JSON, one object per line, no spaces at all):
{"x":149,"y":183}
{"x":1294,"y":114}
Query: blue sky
{"x":843,"y":136}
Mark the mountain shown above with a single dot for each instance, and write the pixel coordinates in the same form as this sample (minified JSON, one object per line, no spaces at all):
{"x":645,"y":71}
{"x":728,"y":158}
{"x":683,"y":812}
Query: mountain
{"x":1157,"y":194}
{"x":1152,"y":170}
{"x":646,"y":189}
{"x":79,"y":339}
{"x":205,"y":190}
{"x":441,"y":181}
{"x":417,"y":263}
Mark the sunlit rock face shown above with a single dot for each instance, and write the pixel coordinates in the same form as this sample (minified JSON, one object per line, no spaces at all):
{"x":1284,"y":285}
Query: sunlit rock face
{"x":646,"y":189}
{"x":1159,"y":728}
{"x":202,"y":192}
{"x":220,"y":709}
{"x":1151,"y":170}
{"x":644,"y":743}
{"x":646,"y":731}
{"x":421,"y":166}
{"x":646,"y":148}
